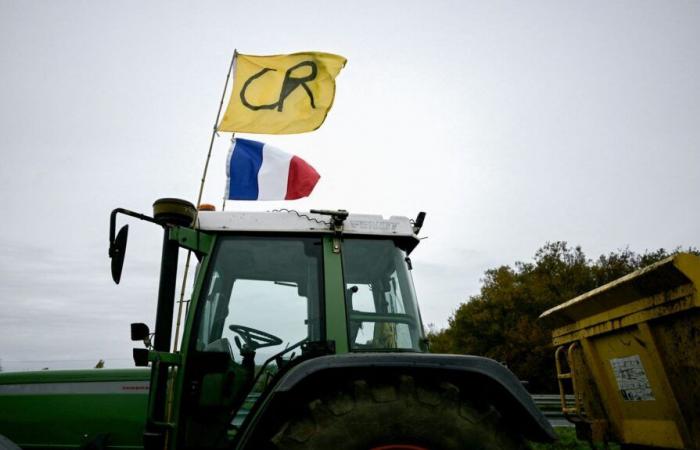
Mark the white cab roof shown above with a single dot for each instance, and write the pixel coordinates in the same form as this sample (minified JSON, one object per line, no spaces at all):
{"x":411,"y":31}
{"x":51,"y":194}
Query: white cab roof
{"x":296,"y":222}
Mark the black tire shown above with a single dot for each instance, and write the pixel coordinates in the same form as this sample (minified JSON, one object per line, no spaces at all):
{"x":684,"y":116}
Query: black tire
{"x":370,"y":415}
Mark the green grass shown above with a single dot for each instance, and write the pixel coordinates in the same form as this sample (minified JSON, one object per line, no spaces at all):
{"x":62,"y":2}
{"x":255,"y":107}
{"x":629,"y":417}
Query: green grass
{"x":567,"y":441}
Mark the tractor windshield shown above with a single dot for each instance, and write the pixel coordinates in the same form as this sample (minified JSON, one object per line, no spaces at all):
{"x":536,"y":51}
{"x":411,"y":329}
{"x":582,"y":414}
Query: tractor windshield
{"x":379,"y":296}
{"x":263,"y":295}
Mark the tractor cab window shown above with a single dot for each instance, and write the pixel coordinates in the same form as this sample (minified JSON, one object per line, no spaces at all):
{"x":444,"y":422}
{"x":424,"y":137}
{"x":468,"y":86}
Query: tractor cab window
{"x":263,"y":295}
{"x":379,"y":297}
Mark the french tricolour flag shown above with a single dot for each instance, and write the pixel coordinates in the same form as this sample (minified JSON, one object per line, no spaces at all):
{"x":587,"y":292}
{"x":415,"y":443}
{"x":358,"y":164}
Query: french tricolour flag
{"x":257,"y":171}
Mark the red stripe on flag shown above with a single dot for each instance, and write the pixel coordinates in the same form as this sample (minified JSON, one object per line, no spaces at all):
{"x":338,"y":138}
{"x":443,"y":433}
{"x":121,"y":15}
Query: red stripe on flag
{"x":302,"y":179}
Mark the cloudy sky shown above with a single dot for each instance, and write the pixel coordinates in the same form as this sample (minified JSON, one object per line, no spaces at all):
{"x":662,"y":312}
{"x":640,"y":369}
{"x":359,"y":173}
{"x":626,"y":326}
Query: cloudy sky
{"x":511,"y":123}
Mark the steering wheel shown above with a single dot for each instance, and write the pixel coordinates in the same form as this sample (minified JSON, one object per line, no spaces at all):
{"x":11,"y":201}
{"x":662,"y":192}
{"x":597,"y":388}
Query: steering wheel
{"x":253,"y":339}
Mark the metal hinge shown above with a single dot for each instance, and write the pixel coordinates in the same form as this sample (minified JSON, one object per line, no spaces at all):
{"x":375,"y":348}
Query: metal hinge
{"x":336,"y":225}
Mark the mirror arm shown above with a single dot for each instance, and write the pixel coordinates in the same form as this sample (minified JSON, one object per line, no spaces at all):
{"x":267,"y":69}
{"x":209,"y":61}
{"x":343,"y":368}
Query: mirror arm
{"x":113,"y":220}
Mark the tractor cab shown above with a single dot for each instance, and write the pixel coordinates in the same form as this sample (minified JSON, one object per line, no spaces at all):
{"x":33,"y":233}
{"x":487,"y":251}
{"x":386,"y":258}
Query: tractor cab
{"x":275,"y":284}
{"x":273,"y":289}
{"x":278,"y":288}
{"x":303,"y":331}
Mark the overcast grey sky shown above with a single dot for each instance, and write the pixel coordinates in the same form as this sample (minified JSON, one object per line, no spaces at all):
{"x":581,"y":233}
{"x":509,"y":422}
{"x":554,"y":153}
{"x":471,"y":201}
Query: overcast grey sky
{"x":511,"y":123}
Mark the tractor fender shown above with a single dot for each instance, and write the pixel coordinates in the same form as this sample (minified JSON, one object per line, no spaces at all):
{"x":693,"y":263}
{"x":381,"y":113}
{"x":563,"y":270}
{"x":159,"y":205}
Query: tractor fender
{"x":475,"y":375}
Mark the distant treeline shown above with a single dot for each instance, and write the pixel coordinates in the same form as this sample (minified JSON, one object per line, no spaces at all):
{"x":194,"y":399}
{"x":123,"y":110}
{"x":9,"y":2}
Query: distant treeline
{"x":501,"y":321}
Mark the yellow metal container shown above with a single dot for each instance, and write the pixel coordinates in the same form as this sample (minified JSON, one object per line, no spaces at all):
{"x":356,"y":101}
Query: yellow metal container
{"x":630,"y":352}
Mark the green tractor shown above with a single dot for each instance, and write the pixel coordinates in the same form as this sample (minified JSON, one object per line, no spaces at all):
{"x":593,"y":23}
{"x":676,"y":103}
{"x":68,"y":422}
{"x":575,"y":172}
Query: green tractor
{"x":309,"y":322}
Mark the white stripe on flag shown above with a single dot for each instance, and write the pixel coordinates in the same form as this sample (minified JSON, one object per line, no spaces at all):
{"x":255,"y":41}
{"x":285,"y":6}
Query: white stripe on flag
{"x":228,"y":168}
{"x":273,"y":174}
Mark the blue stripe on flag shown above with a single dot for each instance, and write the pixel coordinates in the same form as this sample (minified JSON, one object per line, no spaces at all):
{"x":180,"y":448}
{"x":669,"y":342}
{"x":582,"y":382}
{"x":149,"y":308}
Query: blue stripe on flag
{"x":245,"y":164}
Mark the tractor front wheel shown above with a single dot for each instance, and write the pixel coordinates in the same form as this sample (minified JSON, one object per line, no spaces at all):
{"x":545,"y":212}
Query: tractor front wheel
{"x":404,"y":415}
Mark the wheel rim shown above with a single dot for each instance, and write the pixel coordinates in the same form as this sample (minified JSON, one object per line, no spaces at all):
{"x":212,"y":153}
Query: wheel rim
{"x":399,"y":447}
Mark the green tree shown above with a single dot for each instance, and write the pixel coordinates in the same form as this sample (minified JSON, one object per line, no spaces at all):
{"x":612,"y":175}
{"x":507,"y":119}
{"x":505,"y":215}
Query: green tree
{"x":501,"y":321}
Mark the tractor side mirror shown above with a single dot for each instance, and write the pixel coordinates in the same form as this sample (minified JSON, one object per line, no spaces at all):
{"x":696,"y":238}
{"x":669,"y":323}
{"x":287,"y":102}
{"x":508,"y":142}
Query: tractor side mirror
{"x":117,"y":251}
{"x":117,"y":245}
{"x":140,"y":357}
{"x":140,"y":332}
{"x":418,"y":223}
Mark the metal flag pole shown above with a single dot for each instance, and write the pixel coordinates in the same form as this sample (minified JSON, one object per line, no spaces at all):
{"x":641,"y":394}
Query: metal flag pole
{"x":199,"y":199}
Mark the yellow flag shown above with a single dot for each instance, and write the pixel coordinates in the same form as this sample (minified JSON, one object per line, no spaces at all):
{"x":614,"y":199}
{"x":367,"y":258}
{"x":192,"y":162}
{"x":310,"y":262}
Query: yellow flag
{"x":281,"y":94}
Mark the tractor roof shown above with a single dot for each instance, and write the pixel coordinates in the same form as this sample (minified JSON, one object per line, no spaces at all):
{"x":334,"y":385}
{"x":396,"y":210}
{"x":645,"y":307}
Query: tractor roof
{"x":289,"y":221}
